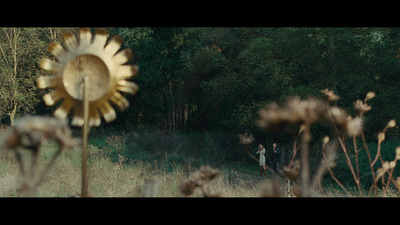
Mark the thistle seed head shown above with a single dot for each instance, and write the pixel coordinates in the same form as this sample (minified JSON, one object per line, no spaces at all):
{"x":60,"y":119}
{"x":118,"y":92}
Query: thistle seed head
{"x":369,"y":96}
{"x":361,"y":107}
{"x":346,"y":124}
{"x":200,"y":178}
{"x":330,"y":95}
{"x":246,"y":139}
{"x":295,"y":112}
{"x":30,"y":132}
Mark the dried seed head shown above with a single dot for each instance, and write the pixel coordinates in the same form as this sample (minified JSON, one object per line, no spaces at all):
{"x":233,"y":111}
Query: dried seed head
{"x":398,"y":152}
{"x":354,"y":126}
{"x":385,"y":166}
{"x":199,"y":178}
{"x":30,"y":132}
{"x":331,"y":96}
{"x":306,"y":111}
{"x":270,"y":188}
{"x":381,"y":136}
{"x":187,"y":188}
{"x":381,"y":171}
{"x":325,"y":140}
{"x":392,"y":164}
{"x":339,"y":117}
{"x":344,"y":123}
{"x":369,"y":96}
{"x":273,"y":118}
{"x":246,"y":139}
{"x":392,"y":123}
{"x":361,"y":107}
{"x":295,"y":112}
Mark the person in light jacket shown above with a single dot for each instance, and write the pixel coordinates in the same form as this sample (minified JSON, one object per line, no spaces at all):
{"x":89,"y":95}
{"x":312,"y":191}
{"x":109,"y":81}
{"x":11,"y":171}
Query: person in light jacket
{"x":263,"y":168}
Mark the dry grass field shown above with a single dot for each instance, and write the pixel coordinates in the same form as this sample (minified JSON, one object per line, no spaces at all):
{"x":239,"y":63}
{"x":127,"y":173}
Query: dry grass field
{"x":117,"y":179}
{"x":154,"y":164}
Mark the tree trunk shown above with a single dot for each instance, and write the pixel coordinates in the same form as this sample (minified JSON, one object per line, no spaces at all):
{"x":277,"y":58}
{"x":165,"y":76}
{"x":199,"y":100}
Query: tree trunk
{"x":12,"y":114}
{"x":176,"y":114}
{"x":183,"y":116}
{"x":13,"y":40}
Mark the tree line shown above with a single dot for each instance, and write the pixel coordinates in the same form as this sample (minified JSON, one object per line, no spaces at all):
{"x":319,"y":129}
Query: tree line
{"x":218,"y":78}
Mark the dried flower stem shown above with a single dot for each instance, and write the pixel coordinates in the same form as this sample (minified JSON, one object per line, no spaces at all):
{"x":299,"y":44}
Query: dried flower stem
{"x":350,"y":165}
{"x":348,"y":161}
{"x":392,"y":165}
{"x":332,"y":174}
{"x":370,"y":163}
{"x":20,"y":163}
{"x":246,"y":149}
{"x":388,"y":181}
{"x":378,"y":153}
{"x":34,"y":159}
{"x":29,"y":133}
{"x":295,"y":148}
{"x":326,"y":163}
{"x":49,"y":165}
{"x":305,"y":166}
{"x":85,"y":134}
{"x":338,"y":182}
{"x":356,"y":154}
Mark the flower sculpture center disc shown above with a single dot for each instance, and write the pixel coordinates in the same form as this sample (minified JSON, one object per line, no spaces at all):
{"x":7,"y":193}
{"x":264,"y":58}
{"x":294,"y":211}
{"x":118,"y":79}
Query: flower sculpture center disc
{"x":86,"y":65}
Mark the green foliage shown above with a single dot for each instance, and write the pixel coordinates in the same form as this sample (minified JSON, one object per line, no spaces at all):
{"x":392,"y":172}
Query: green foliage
{"x":195,"y":149}
{"x":217,"y":79}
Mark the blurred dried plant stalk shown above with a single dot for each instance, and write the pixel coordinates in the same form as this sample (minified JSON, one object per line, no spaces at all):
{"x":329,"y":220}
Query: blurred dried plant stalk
{"x":151,"y":187}
{"x":270,"y":188}
{"x":30,"y":133}
{"x":245,"y":140}
{"x":201,"y":178}
{"x":304,"y":113}
{"x":293,"y":172}
{"x":294,"y":113}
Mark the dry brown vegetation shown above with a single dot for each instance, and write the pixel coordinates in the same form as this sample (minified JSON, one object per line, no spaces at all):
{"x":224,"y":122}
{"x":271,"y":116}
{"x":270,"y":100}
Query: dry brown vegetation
{"x":118,"y":179}
{"x":34,"y":163}
{"x":304,"y":113}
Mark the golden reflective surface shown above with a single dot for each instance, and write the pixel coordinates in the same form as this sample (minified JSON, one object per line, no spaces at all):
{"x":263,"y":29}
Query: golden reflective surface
{"x":105,"y":68}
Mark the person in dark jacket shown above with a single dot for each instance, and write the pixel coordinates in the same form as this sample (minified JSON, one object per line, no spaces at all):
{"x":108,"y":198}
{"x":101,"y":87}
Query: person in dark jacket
{"x":275,"y":158}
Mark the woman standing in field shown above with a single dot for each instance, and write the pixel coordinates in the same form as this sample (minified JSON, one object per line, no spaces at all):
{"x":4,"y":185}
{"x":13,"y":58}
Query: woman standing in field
{"x":263,"y":168}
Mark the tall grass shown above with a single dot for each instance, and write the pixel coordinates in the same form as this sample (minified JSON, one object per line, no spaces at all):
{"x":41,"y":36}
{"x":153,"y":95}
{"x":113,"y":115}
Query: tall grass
{"x":126,"y":164}
{"x":109,"y":177}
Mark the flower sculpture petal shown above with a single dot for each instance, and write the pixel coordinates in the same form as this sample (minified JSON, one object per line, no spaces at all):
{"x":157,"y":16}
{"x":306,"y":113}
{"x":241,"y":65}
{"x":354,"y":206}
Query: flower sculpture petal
{"x":106,"y":71}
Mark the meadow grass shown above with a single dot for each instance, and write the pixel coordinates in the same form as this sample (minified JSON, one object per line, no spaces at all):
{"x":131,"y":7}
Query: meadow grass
{"x":108,"y":178}
{"x":120,"y":165}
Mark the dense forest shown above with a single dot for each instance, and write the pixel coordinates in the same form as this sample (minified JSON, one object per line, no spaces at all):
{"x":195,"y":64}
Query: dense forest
{"x":218,"y":78}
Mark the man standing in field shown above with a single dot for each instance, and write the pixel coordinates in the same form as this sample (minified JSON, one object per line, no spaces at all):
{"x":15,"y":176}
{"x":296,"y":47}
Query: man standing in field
{"x":275,"y":157}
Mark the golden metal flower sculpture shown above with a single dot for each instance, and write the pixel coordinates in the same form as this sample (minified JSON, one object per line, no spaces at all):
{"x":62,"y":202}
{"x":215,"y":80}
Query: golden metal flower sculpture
{"x":106,"y":71}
